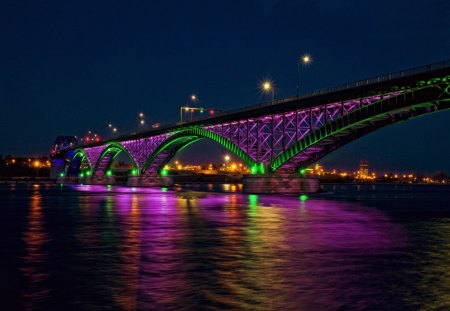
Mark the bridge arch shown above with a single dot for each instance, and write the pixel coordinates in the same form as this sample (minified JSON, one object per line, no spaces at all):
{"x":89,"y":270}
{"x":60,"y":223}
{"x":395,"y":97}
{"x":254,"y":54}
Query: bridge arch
{"x":360,"y":122}
{"x":177,"y":142}
{"x":109,"y":153}
{"x":75,"y":159}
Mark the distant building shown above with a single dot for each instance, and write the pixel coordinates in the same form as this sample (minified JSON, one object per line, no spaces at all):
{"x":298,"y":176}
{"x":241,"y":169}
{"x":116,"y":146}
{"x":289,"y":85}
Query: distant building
{"x":363,"y":170}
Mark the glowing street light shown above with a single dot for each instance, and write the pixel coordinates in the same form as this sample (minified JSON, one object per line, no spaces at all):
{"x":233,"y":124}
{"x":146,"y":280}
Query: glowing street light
{"x":112,"y":128}
{"x":192,"y":98}
{"x":305,"y":60}
{"x":268,"y":88}
{"x":140,"y":119}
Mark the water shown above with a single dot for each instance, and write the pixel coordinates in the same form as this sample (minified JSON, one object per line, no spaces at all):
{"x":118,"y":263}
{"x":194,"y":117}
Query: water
{"x":116,"y":248}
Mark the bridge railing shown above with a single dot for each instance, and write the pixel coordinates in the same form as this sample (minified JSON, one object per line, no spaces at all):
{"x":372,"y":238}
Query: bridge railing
{"x":322,"y":91}
{"x":343,"y":87}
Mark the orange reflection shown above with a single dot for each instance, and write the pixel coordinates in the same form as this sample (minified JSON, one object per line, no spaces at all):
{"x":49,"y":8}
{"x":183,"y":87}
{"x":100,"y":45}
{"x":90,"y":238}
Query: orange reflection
{"x":35,"y":237}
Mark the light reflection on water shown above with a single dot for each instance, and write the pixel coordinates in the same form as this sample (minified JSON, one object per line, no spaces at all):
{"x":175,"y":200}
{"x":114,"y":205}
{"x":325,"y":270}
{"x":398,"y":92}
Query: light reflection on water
{"x":88,"y":247}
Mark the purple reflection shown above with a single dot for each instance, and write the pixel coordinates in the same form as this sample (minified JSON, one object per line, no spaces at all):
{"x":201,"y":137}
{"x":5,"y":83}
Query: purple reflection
{"x":169,"y":250}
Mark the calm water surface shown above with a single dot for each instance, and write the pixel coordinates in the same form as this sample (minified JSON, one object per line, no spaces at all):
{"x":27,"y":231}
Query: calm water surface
{"x":369,"y":247}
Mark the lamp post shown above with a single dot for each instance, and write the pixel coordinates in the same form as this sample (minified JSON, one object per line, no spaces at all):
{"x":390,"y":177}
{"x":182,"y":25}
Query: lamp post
{"x":227,"y":159}
{"x":140,"y":120}
{"x":305,"y":59}
{"x":192,"y":98}
{"x":267,"y":87}
{"x":112,"y":128}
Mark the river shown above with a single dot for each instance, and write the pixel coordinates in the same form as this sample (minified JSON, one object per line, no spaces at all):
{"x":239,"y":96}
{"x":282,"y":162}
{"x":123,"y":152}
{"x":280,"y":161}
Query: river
{"x":367,"y":247}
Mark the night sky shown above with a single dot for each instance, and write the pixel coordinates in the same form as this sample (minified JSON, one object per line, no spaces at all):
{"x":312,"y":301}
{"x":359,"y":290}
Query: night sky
{"x":71,"y":66}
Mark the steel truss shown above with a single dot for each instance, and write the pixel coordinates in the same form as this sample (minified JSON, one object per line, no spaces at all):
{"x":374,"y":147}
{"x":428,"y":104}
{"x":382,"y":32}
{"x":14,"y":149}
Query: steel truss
{"x":264,"y":140}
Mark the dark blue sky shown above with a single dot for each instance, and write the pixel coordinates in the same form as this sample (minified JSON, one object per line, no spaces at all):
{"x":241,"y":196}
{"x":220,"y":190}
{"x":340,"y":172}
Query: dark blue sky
{"x":70,"y":66}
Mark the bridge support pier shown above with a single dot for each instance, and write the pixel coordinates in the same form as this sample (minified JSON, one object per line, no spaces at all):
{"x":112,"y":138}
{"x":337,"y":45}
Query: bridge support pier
{"x":100,"y":180}
{"x":57,"y":167}
{"x":150,"y":181}
{"x":279,"y":183}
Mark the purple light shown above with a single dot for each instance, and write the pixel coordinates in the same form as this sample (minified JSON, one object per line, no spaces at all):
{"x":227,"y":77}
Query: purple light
{"x":263,"y":138}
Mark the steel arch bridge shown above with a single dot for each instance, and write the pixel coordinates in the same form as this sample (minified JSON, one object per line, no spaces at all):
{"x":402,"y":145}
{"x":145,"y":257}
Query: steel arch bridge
{"x":283,"y":135}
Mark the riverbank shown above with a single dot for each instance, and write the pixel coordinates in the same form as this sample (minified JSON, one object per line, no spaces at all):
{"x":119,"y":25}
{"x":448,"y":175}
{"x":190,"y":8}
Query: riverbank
{"x":27,"y":180}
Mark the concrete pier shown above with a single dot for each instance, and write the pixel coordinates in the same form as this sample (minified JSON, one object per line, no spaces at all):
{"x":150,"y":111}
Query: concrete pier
{"x":279,"y":184}
{"x":99,"y":180}
{"x":150,"y":181}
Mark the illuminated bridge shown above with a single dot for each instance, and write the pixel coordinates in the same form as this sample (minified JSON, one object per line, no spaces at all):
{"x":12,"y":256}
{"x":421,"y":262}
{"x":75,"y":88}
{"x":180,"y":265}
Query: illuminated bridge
{"x":276,"y":138}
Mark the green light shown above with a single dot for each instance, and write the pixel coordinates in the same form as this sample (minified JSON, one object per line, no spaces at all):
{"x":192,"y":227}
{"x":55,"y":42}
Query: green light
{"x":115,"y":148}
{"x":253,"y":204}
{"x":302,"y":171}
{"x":261,"y":168}
{"x":201,"y":111}
{"x":254,"y":169}
{"x":88,"y":173}
{"x":198,"y":133}
{"x":108,"y":173}
{"x":253,"y":200}
{"x":61,"y":174}
{"x":81,"y":175}
{"x":164,"y":172}
{"x":134,"y":172}
{"x":303,"y":197}
{"x":163,"y":189}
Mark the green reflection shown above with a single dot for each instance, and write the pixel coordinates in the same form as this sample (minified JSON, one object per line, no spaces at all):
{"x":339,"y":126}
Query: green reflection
{"x":253,"y":202}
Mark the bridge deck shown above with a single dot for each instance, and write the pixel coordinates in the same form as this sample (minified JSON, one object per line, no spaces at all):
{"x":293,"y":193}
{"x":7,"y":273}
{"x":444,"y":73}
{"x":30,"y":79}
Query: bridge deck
{"x":358,"y":89}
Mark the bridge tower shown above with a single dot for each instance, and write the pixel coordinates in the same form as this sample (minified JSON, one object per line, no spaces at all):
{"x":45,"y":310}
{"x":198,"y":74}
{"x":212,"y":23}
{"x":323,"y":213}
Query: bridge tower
{"x":59,"y":155}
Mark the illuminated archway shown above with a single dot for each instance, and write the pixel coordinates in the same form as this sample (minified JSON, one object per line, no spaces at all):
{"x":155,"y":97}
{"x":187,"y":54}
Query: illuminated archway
{"x":76,"y":159}
{"x":109,"y":153}
{"x":177,"y":142}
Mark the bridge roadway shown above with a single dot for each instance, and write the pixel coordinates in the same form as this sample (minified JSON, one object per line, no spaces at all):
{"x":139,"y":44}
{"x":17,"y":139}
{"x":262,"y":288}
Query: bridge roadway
{"x":275,"y":139}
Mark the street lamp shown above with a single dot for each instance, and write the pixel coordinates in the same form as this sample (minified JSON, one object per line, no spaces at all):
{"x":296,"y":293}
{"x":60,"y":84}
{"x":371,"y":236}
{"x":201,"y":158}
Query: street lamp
{"x":112,"y":128}
{"x":305,"y":59}
{"x":268,"y":88}
{"x":191,"y":98}
{"x":227,"y":159}
{"x":140,"y":120}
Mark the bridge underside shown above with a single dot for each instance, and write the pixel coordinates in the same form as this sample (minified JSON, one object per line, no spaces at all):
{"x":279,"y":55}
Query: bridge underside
{"x":358,"y":123}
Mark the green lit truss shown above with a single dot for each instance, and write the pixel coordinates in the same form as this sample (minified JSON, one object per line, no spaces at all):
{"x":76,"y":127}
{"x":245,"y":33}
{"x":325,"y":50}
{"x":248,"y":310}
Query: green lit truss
{"x":113,"y":149}
{"x":180,"y":140}
{"x":426,"y":97}
{"x":429,"y":97}
{"x":79,"y":153}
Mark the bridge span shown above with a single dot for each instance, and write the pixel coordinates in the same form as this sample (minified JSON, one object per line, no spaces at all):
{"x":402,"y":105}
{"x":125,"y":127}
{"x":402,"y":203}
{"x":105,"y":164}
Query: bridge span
{"x":277,"y":139}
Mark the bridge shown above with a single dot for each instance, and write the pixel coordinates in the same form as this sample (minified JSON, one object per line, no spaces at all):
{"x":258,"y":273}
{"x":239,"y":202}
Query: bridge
{"x":277,"y":139}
